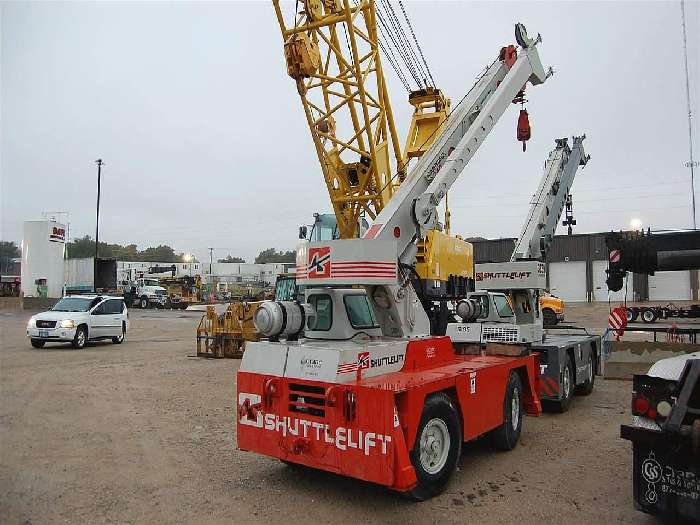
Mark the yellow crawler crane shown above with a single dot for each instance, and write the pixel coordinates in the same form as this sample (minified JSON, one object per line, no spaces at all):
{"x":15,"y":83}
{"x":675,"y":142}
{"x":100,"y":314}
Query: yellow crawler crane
{"x":332,"y":50}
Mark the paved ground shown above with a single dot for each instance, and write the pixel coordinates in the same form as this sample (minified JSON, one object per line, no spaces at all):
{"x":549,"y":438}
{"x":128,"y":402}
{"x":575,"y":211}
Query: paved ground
{"x":143,"y":433}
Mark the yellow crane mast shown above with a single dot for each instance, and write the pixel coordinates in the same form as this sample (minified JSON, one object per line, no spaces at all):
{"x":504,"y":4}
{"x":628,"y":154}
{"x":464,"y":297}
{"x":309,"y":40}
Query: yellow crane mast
{"x":332,"y":51}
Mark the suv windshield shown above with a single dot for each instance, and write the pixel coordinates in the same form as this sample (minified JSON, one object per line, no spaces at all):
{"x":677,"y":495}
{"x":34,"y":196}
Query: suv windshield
{"x":73,"y":304}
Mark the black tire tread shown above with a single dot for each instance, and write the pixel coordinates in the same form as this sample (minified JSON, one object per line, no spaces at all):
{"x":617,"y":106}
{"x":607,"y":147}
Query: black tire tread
{"x":504,"y":437}
{"x":586,"y":388}
{"x":440,"y":405}
{"x":562,"y":405}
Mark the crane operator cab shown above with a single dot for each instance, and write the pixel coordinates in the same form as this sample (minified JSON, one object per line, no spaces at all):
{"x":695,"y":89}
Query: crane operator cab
{"x":497,"y":317}
{"x":338,"y":314}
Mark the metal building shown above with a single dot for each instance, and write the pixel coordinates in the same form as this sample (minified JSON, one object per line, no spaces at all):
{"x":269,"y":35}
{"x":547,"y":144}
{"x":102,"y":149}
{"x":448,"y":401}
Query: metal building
{"x":576,"y":271}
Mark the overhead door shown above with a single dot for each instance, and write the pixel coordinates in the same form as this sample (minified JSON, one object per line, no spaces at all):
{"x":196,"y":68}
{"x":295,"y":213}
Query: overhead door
{"x":600,"y":288}
{"x":670,"y":286}
{"x":567,"y":280}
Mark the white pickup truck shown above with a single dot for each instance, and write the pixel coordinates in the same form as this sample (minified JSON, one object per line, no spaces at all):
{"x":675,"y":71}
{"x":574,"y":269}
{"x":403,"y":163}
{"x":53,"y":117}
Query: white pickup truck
{"x":144,"y":292}
{"x":78,"y":319}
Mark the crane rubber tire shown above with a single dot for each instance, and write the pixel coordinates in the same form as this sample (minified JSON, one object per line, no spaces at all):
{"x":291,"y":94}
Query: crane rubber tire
{"x":439,"y":415}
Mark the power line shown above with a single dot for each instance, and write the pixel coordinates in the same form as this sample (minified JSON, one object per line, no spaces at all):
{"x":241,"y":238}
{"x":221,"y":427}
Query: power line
{"x":690,"y":115}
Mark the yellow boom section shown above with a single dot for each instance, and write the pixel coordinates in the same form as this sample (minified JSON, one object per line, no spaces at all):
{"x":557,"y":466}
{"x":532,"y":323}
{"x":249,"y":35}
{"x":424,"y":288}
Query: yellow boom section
{"x":332,"y":52}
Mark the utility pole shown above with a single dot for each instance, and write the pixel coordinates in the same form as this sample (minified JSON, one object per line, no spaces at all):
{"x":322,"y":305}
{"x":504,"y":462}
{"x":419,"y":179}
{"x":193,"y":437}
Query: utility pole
{"x":97,"y":225}
{"x":690,"y":164}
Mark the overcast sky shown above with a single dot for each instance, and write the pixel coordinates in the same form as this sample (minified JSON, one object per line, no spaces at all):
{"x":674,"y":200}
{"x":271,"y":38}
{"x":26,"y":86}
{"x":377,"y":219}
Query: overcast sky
{"x":206,"y":145}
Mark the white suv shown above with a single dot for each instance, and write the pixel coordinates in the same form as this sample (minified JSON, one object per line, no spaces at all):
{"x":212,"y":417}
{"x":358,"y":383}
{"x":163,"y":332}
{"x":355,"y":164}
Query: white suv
{"x":79,"y":319}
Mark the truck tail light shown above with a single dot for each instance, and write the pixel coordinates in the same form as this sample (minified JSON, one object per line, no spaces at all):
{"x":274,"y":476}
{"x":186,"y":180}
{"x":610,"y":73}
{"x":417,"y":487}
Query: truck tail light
{"x":652,"y":397}
{"x":640,"y":405}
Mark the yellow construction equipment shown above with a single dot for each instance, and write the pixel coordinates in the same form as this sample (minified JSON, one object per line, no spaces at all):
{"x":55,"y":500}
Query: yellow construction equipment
{"x":225,"y":335}
{"x":182,"y":291}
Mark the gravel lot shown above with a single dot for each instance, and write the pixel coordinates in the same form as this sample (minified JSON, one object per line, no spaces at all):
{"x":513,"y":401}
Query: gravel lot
{"x":143,"y":433}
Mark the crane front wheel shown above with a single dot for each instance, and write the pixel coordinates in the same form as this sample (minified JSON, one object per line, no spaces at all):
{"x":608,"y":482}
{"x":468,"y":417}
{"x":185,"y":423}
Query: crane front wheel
{"x":438,"y":446}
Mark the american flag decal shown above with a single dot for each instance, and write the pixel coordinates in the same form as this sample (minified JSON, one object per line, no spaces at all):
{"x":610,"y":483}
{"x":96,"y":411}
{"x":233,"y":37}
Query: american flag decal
{"x":362,"y":362}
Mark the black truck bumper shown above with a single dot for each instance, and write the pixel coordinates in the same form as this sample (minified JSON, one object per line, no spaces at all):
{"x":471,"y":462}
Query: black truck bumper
{"x":666,"y":474}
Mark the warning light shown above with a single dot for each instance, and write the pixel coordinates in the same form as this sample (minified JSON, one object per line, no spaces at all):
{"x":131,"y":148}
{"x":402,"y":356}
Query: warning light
{"x":397,"y":232}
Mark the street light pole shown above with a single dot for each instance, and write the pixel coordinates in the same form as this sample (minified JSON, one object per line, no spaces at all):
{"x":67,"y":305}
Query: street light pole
{"x":97,"y":225}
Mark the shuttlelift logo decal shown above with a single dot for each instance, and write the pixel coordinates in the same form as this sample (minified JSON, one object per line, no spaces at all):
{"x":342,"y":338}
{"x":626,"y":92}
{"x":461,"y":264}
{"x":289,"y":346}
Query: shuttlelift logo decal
{"x":484,"y":276}
{"x":250,"y":413}
{"x":319,"y":266}
{"x":365,"y":361}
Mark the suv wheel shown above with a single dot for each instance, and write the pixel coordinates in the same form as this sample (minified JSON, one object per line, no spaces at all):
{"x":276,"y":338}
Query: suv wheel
{"x":38,"y":343}
{"x":143,"y":303}
{"x":119,"y":339}
{"x":80,"y":338}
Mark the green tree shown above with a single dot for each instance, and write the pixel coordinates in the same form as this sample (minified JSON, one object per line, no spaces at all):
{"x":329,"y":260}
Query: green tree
{"x":85,"y":247}
{"x":273,"y":256}
{"x":161,"y":253}
{"x":78,"y":248}
{"x":9,"y":249}
{"x":229,"y":259}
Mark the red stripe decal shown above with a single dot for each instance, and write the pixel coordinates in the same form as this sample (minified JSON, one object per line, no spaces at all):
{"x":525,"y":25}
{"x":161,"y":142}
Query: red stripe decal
{"x":372,"y":263}
{"x":545,"y":388}
{"x":373,"y":231}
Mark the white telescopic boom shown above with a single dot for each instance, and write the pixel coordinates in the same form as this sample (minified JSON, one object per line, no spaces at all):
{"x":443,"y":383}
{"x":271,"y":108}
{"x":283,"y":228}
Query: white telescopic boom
{"x":550,"y":199}
{"x":413,"y":209}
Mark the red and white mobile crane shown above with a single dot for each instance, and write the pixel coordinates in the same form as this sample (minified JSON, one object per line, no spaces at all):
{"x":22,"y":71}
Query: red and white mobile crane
{"x":368,"y":392}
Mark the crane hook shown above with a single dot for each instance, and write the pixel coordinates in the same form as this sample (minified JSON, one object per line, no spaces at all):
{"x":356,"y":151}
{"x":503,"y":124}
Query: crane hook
{"x":524,"y":130}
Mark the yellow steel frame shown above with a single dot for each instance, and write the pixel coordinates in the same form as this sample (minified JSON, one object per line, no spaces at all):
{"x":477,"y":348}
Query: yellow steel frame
{"x":346,"y":80}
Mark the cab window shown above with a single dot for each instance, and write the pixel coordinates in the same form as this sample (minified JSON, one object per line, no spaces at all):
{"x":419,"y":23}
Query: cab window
{"x":114,"y":306}
{"x":323,"y":305}
{"x":483,"y":301}
{"x":101,"y":309}
{"x":502,"y":306}
{"x":359,"y":311}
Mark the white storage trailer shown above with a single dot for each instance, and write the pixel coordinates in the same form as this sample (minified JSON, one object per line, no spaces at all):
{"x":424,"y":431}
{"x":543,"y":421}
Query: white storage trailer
{"x":80,"y":275}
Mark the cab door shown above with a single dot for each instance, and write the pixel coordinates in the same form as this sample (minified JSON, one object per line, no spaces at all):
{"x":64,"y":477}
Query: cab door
{"x":99,"y":323}
{"x":113,"y":317}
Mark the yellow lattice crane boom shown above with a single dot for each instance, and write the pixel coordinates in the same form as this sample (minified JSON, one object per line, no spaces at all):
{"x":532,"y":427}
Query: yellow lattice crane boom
{"x":332,"y":50}
{"x":332,"y":53}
